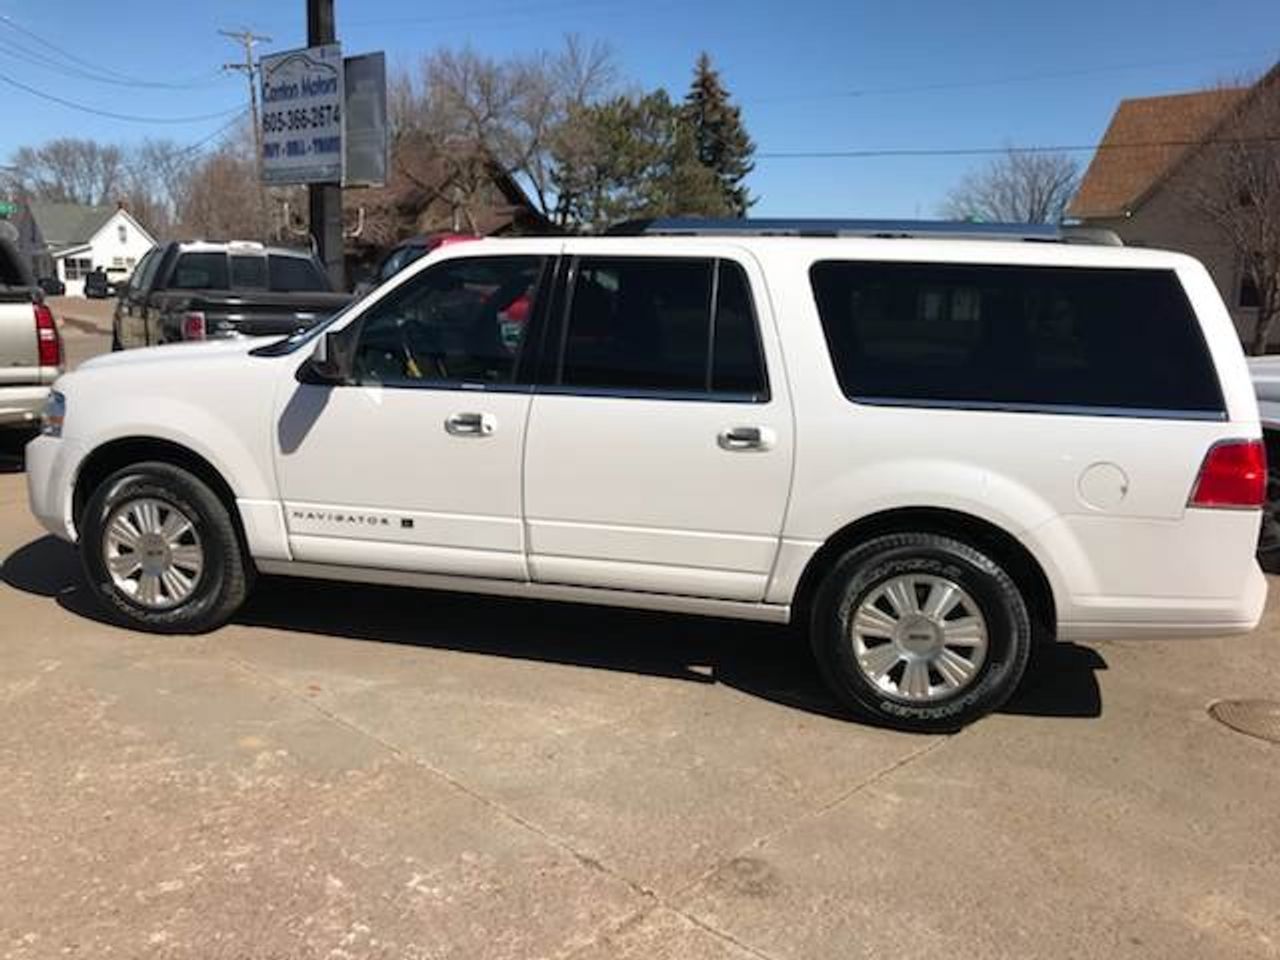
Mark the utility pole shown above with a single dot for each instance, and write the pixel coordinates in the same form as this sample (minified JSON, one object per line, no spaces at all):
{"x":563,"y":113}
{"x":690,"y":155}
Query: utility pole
{"x":248,"y":39}
{"x":324,"y":200}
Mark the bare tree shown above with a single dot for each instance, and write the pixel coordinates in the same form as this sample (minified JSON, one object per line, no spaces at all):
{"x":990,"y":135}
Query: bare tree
{"x":470,"y":112}
{"x":1017,"y":187}
{"x":69,"y":170}
{"x":1234,"y":182}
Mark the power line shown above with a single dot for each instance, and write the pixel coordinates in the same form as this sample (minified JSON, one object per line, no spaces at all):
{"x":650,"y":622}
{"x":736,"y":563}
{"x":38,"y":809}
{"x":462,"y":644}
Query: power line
{"x":900,"y":152}
{"x":88,"y":70}
{"x":111,"y":115}
{"x":28,"y":56}
{"x":998,"y":81}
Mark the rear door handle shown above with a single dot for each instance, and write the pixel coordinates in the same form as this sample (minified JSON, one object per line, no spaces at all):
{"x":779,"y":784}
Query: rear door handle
{"x":471,"y":424}
{"x":745,"y":438}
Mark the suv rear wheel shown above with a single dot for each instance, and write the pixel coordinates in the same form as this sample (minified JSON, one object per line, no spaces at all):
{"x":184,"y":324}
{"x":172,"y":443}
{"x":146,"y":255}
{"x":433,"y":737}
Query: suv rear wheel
{"x":160,"y":549}
{"x":920,"y":632}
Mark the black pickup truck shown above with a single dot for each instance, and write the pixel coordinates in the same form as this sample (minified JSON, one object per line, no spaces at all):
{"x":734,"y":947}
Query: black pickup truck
{"x":205,"y":291}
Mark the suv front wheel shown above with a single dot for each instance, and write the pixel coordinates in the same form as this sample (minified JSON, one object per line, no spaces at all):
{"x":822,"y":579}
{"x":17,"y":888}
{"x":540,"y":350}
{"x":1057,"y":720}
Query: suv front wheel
{"x":920,"y":632}
{"x":160,"y":550}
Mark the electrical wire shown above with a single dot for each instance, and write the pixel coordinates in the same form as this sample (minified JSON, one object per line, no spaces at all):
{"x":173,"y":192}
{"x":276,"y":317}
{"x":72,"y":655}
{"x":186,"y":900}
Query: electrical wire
{"x":900,"y":152}
{"x":86,"y":70}
{"x":111,"y":115}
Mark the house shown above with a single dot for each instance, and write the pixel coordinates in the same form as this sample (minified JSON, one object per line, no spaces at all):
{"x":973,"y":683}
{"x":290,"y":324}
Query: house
{"x":1150,"y":175}
{"x":428,"y":191}
{"x":68,"y":240}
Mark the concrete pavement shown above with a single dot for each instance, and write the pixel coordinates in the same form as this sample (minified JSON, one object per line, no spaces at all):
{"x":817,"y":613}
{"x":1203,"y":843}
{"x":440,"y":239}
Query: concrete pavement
{"x":373,"y":772}
{"x":352,"y":772}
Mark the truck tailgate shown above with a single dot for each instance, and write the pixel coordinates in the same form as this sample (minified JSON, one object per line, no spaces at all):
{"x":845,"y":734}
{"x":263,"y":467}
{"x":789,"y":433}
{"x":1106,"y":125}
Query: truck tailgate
{"x":19,"y":352}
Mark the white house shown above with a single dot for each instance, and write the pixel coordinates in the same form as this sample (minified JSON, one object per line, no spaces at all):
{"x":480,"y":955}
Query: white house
{"x":67,"y":241}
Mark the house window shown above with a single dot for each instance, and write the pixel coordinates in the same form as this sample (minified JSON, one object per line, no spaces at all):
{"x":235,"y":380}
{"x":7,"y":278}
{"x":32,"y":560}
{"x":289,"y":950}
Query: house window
{"x":130,"y":262}
{"x":117,"y":262}
{"x":122,"y":233}
{"x":75,"y":268}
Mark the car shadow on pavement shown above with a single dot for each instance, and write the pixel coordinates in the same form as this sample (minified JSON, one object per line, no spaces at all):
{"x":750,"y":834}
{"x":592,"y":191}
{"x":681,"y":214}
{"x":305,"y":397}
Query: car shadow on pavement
{"x":771,"y":662}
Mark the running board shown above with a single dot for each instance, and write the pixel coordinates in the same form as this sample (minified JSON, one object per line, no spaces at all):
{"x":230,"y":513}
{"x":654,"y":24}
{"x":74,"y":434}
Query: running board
{"x":565,"y":593}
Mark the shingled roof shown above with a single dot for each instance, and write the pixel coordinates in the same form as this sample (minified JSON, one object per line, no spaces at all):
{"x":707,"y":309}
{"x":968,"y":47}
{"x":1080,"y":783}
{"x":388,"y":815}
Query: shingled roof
{"x":64,"y":225}
{"x":1146,"y":139}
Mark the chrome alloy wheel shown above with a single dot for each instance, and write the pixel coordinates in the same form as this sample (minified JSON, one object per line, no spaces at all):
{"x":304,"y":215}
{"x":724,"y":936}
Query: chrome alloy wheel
{"x":152,"y":552}
{"x":919,"y":637}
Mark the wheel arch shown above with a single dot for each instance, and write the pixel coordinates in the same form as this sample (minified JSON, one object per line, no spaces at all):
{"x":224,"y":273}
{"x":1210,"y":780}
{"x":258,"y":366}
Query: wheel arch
{"x":114,"y":455}
{"x":996,"y":542}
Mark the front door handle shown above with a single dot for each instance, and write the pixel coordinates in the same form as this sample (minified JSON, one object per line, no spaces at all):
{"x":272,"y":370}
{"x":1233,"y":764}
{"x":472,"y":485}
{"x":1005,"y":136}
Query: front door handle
{"x":471,"y":424}
{"x":745,"y":438}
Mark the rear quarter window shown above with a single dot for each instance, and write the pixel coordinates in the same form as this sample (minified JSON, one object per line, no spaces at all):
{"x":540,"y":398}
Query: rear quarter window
{"x":1015,"y":337}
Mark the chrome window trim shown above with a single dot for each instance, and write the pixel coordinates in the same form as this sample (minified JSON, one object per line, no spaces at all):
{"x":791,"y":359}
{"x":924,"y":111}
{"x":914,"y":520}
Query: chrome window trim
{"x":1058,"y":409}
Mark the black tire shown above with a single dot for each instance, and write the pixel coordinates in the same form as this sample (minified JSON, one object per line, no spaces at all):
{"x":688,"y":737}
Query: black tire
{"x":227,"y":573}
{"x":869,"y":566}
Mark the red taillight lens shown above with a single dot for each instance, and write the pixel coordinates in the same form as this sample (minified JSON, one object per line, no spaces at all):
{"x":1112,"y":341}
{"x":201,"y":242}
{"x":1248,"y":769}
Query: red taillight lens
{"x":193,"y":326}
{"x":47,"y":339}
{"x":1234,"y":474}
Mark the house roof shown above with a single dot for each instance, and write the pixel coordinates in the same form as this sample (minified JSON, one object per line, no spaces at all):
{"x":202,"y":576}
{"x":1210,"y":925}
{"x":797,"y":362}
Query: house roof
{"x":69,"y":224}
{"x":1146,"y":139}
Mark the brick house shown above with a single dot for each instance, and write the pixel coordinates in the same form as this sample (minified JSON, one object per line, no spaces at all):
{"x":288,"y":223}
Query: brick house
{"x":1142,"y":180}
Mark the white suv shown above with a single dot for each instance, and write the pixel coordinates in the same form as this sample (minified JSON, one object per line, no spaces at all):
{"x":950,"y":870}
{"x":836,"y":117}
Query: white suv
{"x":934,"y":452}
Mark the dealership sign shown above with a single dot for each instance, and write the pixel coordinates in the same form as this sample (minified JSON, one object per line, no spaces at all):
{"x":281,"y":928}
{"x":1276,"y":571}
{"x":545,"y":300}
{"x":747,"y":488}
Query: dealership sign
{"x":302,"y":107}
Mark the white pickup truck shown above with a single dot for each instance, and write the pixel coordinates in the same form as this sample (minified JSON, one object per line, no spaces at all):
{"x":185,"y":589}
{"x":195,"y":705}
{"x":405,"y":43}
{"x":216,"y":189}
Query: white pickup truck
{"x":30,"y":348}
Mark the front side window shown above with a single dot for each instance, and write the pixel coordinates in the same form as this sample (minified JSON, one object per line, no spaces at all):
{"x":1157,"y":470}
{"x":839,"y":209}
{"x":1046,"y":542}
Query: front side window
{"x":1015,"y":337}
{"x":200,"y":271}
{"x":655,"y":325}
{"x":460,"y":322}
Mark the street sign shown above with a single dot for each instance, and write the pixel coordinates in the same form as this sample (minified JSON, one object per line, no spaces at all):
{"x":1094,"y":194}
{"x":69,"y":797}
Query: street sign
{"x":364,"y":121}
{"x":302,"y":93}
{"x":7,"y":209}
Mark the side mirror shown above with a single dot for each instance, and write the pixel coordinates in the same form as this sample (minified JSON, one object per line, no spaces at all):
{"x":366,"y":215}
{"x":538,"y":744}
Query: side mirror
{"x":331,"y":359}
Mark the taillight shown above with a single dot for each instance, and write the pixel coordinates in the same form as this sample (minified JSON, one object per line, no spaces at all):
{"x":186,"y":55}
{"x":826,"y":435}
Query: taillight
{"x":48,"y":342}
{"x":1234,"y":474}
{"x":193,"y":325}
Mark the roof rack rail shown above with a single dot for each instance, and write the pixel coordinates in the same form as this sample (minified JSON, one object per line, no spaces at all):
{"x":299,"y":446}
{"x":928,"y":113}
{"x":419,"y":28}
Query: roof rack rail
{"x":936,"y":229}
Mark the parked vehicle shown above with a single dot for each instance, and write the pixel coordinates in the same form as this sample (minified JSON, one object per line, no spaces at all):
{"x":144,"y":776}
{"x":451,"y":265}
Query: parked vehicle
{"x":96,"y":284}
{"x":405,"y":253}
{"x":208,"y":291}
{"x":30,"y":345}
{"x":52,"y":286}
{"x":1265,"y":372}
{"x":933,"y":451}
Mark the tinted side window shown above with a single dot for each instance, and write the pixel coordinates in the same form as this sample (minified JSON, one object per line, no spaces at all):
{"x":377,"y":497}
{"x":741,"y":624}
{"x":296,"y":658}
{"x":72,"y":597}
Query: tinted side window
{"x":200,"y":271}
{"x":291,"y":274}
{"x":248,"y":273}
{"x":146,"y":269}
{"x":1015,"y":336}
{"x":639,"y":324}
{"x":737,"y":364}
{"x":462,"y":321}
{"x":678,"y":326}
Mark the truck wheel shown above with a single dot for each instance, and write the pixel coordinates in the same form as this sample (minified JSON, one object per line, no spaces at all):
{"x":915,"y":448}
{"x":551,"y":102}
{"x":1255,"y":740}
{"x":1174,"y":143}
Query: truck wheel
{"x":920,"y":632}
{"x":160,"y":550}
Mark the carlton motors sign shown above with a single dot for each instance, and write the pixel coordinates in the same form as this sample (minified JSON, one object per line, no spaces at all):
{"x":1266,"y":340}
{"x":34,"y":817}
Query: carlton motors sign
{"x":302,"y":106}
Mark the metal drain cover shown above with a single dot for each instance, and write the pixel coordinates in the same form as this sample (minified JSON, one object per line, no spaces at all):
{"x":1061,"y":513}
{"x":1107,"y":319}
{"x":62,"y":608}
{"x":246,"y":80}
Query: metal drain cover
{"x":1257,"y":718}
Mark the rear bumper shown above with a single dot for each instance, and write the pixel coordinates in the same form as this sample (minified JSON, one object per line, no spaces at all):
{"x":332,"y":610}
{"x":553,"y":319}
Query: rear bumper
{"x":1164,"y":618}
{"x":21,"y":406}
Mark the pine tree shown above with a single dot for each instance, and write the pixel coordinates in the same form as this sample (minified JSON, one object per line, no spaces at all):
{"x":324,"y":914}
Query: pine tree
{"x":719,"y":137}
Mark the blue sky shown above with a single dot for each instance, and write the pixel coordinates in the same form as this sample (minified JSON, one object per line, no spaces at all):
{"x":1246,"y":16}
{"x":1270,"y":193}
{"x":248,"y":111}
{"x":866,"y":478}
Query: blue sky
{"x":925,"y":74}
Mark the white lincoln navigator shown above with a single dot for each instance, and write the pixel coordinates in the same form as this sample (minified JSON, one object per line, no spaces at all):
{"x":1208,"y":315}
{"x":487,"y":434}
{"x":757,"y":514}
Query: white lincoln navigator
{"x":932,"y":447}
